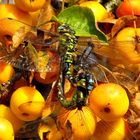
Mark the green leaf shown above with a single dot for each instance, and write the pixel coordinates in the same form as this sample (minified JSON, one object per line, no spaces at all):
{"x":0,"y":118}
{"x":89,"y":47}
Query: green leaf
{"x":82,"y":21}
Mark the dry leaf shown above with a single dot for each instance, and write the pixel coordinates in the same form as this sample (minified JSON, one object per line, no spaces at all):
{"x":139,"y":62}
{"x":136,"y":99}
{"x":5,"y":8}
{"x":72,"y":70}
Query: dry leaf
{"x":18,"y":37}
{"x":133,"y":123}
{"x":124,"y":22}
{"x":52,"y":104}
{"x":106,"y":24}
{"x":45,"y":16}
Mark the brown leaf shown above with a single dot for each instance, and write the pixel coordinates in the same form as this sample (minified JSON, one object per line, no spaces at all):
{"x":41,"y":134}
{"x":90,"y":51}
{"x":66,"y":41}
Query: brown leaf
{"x":105,"y":27}
{"x":68,"y":133}
{"x":45,"y":16}
{"x":52,"y":104}
{"x":18,"y":37}
{"x":106,"y":24}
{"x":134,"y":123}
{"x":125,"y":21}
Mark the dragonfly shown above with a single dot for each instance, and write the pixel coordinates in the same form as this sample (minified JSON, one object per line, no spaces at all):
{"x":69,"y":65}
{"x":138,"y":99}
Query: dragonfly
{"x":66,"y":50}
{"x":85,"y":63}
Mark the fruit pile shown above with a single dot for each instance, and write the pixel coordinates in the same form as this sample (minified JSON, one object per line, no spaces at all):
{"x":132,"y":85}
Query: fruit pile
{"x":29,"y":107}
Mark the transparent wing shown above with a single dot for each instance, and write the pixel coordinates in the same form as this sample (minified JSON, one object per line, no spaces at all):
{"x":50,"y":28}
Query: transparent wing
{"x":118,"y":51}
{"x":93,"y":63}
{"x":28,"y":48}
{"x":29,"y":58}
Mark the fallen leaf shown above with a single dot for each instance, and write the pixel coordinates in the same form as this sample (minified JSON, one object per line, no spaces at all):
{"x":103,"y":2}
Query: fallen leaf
{"x":125,"y":21}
